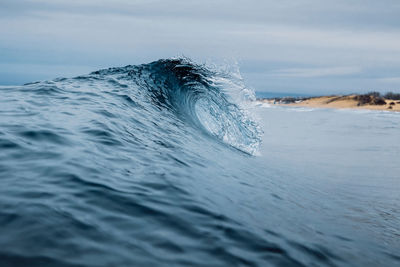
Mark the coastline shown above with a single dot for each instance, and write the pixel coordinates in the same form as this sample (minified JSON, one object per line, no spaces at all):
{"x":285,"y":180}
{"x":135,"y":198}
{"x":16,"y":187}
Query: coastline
{"x":339,"y":102}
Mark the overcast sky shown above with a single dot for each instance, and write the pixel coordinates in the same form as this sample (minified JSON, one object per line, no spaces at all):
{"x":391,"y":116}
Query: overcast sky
{"x":303,"y":46}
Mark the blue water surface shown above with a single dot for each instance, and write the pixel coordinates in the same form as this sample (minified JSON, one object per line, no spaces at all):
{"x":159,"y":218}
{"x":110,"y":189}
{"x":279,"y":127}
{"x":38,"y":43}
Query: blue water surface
{"x":159,"y":164}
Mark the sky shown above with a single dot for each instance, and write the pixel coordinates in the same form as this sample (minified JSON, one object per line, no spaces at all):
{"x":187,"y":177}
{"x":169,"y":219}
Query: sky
{"x":302,"y":46}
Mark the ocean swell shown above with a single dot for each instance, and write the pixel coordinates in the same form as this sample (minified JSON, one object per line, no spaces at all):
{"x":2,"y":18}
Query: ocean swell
{"x":197,"y":95}
{"x":143,"y":166}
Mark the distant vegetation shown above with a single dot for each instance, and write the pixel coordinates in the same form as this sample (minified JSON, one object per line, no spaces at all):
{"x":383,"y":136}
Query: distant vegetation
{"x":289,"y":100}
{"x":389,"y":95}
{"x":375,"y":98}
{"x":392,"y":96}
{"x":372,"y":98}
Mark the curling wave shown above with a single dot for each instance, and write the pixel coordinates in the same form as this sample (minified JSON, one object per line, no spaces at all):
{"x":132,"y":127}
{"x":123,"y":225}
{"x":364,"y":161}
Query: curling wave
{"x":197,"y":95}
{"x":134,"y":166}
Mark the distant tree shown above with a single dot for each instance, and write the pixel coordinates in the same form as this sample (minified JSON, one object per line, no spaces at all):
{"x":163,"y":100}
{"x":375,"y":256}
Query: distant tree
{"x":378,"y":101}
{"x":374,"y":94}
{"x":393,"y":96}
{"x":370,"y":99}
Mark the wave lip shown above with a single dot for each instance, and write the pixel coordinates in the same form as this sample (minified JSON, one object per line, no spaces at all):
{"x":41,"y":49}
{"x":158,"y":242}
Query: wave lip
{"x":201,"y":96}
{"x":198,"y":95}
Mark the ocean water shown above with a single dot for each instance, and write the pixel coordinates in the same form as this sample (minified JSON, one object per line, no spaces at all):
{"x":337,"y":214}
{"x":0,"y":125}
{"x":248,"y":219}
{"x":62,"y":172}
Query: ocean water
{"x":279,"y":94}
{"x":172,"y":163}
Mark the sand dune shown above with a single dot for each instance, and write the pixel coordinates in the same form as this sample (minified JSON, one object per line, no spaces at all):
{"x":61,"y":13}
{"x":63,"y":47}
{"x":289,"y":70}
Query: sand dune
{"x":349,"y":101}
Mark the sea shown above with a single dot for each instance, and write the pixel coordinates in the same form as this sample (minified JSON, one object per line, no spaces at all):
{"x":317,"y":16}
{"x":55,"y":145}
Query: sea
{"x":175,"y":163}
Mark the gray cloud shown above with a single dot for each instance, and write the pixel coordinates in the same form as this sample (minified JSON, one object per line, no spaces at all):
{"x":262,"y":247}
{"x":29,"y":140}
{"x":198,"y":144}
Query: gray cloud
{"x":349,"y":41}
{"x":353,"y":14}
{"x":315,"y":72}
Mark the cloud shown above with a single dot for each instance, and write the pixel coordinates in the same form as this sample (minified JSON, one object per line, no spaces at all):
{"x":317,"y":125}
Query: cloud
{"x":328,"y":38}
{"x":315,"y":72}
{"x":288,"y":39}
{"x":361,"y":14}
{"x":392,"y":80}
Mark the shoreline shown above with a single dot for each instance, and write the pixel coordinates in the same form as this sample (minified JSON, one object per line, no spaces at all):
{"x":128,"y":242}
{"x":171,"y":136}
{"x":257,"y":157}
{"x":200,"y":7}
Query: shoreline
{"x":339,"y":102}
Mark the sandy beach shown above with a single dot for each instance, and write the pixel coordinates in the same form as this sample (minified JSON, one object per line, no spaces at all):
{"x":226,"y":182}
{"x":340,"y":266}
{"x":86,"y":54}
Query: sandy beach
{"x":340,"y":102}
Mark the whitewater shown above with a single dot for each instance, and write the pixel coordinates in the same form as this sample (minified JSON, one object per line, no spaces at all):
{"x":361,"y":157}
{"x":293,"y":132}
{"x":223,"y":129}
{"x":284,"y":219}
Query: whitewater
{"x":175,"y":163}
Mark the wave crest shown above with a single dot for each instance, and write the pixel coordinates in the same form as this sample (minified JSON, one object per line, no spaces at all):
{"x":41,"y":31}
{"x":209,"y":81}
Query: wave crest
{"x":199,"y":96}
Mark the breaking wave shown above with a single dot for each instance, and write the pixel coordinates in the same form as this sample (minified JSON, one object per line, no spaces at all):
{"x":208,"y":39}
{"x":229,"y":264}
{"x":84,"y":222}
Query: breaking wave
{"x":195,"y":94}
{"x":152,"y":165}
